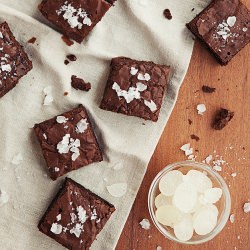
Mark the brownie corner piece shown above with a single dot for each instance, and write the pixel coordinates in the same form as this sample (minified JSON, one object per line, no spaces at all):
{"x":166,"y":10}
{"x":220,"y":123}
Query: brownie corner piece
{"x":14,"y":62}
{"x":224,"y":28}
{"x":68,"y":142}
{"x":75,"y":19}
{"x":135,"y":88}
{"x":76,"y":216}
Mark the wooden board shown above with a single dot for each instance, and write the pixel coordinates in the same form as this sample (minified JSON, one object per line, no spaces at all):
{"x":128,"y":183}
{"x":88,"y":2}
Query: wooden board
{"x":233,"y":92}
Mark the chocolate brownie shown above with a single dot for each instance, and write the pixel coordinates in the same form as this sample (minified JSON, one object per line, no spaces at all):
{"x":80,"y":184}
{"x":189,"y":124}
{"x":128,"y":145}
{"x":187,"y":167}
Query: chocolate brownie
{"x":135,"y":88}
{"x":68,"y":142}
{"x":14,"y":62}
{"x":75,"y":216}
{"x":75,"y":18}
{"x":78,"y":83}
{"x":222,"y":118}
{"x":224,"y":27}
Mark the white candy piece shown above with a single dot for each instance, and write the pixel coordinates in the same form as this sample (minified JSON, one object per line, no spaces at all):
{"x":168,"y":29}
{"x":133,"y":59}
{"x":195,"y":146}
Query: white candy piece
{"x":197,"y":206}
{"x":145,"y":224}
{"x":133,"y":71}
{"x":185,"y":197}
{"x":56,"y":228}
{"x":231,"y":20}
{"x":232,"y":218}
{"x":201,"y":108}
{"x":168,"y":215}
{"x":184,"y":228}
{"x":118,"y":189}
{"x":169,"y":182}
{"x":212,"y":195}
{"x":61,"y":119}
{"x":205,"y":220}
{"x":162,"y":200}
{"x":246,"y":207}
{"x":48,"y":96}
{"x":199,"y":180}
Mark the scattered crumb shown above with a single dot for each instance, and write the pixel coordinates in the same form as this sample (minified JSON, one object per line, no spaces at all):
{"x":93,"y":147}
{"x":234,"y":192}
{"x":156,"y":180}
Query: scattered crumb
{"x":191,"y":157}
{"x":4,"y":197}
{"x":32,"y":40}
{"x":232,"y":218}
{"x":78,"y":83}
{"x":217,"y":168}
{"x":48,"y":96}
{"x":209,"y":159}
{"x":201,"y":108}
{"x":67,"y":40}
{"x":234,"y":175}
{"x":66,"y":93}
{"x":190,"y":121}
{"x":66,"y":62}
{"x":207,"y":89}
{"x":246,"y":207}
{"x":238,"y":237}
{"x":222,"y":118}
{"x":195,"y":137}
{"x":17,"y":159}
{"x":145,"y":224}
{"x":143,"y":123}
{"x":71,"y":57}
{"x":167,"y":14}
{"x":158,"y":248}
{"x":192,"y":9}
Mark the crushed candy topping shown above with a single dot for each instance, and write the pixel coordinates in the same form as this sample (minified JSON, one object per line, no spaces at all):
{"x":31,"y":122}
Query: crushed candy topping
{"x":81,"y":126}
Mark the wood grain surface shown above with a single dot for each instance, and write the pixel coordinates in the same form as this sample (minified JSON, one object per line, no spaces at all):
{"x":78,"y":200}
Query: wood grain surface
{"x":232,"y":85}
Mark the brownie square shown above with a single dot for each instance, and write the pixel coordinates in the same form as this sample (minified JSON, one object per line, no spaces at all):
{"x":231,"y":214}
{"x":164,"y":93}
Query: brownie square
{"x":224,"y":27}
{"x":75,"y":216}
{"x":75,"y":18}
{"x":14,"y":62}
{"x":68,"y":142}
{"x":135,"y":88}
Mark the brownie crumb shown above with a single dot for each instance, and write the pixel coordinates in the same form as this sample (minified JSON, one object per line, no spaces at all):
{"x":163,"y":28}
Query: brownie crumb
{"x":67,"y":40}
{"x":71,"y":57}
{"x":192,"y":9}
{"x":195,"y":137}
{"x":32,"y":40}
{"x":207,"y":89}
{"x":78,"y":83}
{"x":66,"y":93}
{"x":243,"y":148}
{"x":167,"y":14}
{"x":196,"y":150}
{"x":66,"y":62}
{"x":222,"y":118}
{"x":190,"y":121}
{"x":143,"y":123}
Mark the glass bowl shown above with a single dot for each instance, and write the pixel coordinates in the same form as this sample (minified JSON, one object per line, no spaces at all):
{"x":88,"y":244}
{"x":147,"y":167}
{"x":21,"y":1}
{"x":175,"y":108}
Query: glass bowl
{"x":223,"y":205}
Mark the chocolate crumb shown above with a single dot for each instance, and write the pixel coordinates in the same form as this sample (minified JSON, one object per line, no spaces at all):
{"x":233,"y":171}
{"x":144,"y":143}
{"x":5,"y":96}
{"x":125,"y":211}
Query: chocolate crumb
{"x":190,"y":121}
{"x":192,"y":9}
{"x":66,"y":93}
{"x":207,"y":89}
{"x":243,"y":148}
{"x":32,"y":40}
{"x":222,"y":118}
{"x":143,"y":123}
{"x":196,"y":150}
{"x":72,"y":57}
{"x":67,"y":40}
{"x":66,"y":62}
{"x":196,"y":91}
{"x":195,"y":137}
{"x":167,"y":14}
{"x":78,"y":83}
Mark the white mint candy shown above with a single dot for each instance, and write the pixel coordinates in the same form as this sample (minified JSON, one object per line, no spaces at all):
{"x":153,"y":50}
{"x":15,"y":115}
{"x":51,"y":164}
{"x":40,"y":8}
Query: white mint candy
{"x":169,"y":182}
{"x":117,"y":189}
{"x":199,"y":180}
{"x":185,"y":197}
{"x":197,"y":206}
{"x":184,"y":228}
{"x":168,"y":215}
{"x":212,"y":195}
{"x":162,"y":200}
{"x":205,"y":220}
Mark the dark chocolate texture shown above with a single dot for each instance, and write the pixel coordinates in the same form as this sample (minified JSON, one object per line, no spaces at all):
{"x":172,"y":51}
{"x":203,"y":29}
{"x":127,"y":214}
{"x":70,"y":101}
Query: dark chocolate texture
{"x":78,"y":83}
{"x":135,"y":88}
{"x":207,"y":89}
{"x":222,"y":118}
{"x":75,"y":18}
{"x":224,"y":27}
{"x":68,"y":142}
{"x":14,"y":62}
{"x":75,"y":216}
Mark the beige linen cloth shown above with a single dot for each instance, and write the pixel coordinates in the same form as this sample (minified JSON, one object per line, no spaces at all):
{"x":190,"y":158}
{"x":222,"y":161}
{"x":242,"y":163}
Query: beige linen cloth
{"x":133,"y":28}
